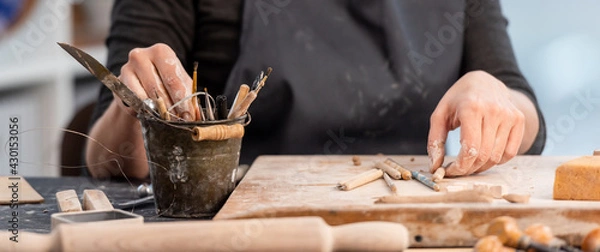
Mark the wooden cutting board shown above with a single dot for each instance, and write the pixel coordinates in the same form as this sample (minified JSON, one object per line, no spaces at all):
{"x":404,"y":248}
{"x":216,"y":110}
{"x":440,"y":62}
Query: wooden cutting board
{"x":278,"y":186}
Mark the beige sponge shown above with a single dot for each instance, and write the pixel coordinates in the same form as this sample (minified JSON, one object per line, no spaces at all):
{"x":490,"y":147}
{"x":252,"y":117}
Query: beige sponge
{"x":578,"y":179}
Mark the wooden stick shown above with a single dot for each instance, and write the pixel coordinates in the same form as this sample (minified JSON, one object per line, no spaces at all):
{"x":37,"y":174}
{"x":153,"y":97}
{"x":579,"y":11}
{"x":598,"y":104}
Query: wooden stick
{"x":360,"y":179}
{"x":406,"y":174}
{"x":162,"y":109}
{"x":68,"y":201}
{"x":217,"y":132}
{"x":95,"y":200}
{"x":425,"y":181}
{"x":244,"y":105}
{"x":389,"y":170}
{"x":451,"y":197}
{"x":439,"y":174}
{"x":196,"y":105}
{"x":239,"y":97}
{"x":390,"y":183}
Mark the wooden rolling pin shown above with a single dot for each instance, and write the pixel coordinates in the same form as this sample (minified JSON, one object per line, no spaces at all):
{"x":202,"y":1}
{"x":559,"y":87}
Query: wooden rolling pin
{"x":276,"y":234}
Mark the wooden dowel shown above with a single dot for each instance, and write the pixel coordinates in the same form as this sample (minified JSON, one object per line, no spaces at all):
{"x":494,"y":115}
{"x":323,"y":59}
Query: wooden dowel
{"x":439,"y":174}
{"x":425,"y":181}
{"x":360,"y":179}
{"x":162,"y":109}
{"x":395,"y":174}
{"x":217,"y":132}
{"x":388,"y":180}
{"x":470,"y":196}
{"x":406,"y":174}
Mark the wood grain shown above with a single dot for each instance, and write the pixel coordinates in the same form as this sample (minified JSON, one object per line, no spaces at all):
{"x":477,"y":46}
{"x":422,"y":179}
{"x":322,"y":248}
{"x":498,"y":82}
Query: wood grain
{"x":279,"y":186}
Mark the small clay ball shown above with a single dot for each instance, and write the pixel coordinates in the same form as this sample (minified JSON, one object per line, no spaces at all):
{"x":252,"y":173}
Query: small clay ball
{"x":356,"y":160}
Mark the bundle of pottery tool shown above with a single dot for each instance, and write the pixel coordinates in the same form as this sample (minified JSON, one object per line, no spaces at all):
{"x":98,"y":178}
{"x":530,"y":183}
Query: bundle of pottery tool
{"x":193,"y":164}
{"x":215,"y":109}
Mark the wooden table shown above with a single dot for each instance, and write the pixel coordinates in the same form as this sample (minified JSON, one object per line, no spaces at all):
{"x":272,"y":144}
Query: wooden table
{"x":278,"y":186}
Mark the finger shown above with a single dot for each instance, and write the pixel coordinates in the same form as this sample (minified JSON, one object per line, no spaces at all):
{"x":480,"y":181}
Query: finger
{"x":515,"y":138}
{"x":485,"y":167}
{"x":488,"y":138}
{"x":176,"y":82}
{"x":147,"y":75}
{"x":501,"y":140}
{"x":438,"y":132}
{"x":470,"y":139}
{"x":130,"y":80}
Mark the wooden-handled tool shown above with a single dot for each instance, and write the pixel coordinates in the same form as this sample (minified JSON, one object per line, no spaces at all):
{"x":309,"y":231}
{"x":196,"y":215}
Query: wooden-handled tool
{"x":218,"y":132}
{"x":276,"y":234}
{"x":508,"y":232}
{"x":591,"y":242}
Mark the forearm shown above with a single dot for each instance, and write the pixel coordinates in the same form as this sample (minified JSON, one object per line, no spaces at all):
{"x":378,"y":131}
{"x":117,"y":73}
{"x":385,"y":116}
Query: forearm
{"x":532,"y":124}
{"x":119,"y":149}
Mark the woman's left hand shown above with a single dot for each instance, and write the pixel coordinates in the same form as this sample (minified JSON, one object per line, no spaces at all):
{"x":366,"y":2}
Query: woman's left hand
{"x":492,"y":125}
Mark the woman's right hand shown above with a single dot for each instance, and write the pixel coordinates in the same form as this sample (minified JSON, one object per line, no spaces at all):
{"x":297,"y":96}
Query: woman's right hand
{"x":156,"y":71}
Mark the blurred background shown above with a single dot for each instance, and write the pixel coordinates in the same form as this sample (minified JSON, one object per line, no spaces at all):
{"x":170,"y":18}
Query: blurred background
{"x":556,"y":42}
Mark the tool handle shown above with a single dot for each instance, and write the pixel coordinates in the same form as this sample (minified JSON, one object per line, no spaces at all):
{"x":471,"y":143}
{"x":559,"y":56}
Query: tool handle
{"x":591,"y":242}
{"x":239,"y":97}
{"x":277,"y":234}
{"x":218,"y":132}
{"x":244,"y":105}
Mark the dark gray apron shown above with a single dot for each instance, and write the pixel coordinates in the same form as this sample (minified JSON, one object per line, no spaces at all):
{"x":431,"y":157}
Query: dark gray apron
{"x":349,"y":76}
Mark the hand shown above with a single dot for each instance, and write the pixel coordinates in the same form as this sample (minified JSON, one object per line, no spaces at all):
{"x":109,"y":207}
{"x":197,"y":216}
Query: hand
{"x":492,"y":126}
{"x":156,"y":70}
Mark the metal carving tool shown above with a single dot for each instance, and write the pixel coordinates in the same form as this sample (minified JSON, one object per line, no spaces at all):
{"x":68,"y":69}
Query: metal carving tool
{"x":108,"y":79}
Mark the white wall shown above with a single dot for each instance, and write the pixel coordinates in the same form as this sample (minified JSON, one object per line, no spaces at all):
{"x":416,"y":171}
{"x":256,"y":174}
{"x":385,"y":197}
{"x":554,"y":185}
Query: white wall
{"x":36,"y":85}
{"x":557,"y":43}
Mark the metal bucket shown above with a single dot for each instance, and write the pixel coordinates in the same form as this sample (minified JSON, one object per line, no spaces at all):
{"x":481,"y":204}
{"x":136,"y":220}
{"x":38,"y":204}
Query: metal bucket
{"x":190,"y":179}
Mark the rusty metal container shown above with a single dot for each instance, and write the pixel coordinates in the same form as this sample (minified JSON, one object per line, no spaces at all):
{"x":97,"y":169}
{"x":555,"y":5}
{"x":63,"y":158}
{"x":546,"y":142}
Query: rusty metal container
{"x":190,"y":179}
